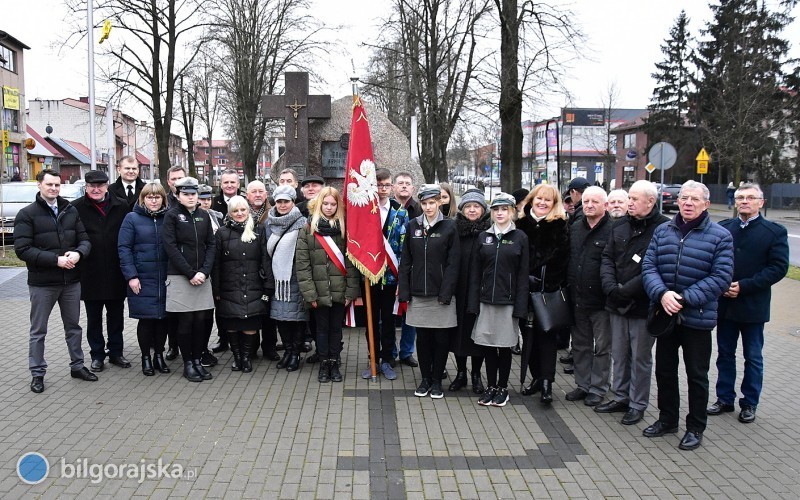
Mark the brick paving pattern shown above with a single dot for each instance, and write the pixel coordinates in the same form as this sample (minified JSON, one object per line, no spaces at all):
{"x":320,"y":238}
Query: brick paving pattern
{"x":273,"y":434}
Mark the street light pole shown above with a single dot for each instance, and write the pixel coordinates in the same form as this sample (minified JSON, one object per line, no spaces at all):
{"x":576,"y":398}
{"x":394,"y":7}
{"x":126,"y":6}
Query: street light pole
{"x":90,"y":38}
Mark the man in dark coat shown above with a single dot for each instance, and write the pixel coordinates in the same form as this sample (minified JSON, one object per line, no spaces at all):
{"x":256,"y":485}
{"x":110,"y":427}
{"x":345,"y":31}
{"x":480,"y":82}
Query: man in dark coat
{"x":50,"y":238}
{"x":403,"y":190}
{"x":102,"y":283}
{"x":229,"y":187}
{"x":761,"y":259}
{"x":687,"y":267}
{"x":591,"y":334}
{"x":627,"y":303}
{"x":575,"y":189}
{"x":128,"y":184}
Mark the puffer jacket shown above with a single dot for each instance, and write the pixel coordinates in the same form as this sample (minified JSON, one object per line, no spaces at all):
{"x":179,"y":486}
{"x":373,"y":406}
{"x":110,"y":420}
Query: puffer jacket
{"x":242,"y":274}
{"x":698,"y":266}
{"x":189,"y":240}
{"x":500,"y":271}
{"x":586,"y":250}
{"x":549,"y":241}
{"x":142,"y":255}
{"x":103,"y":231}
{"x":40,"y":238}
{"x":319,"y":278}
{"x":429,"y":264}
{"x":294,"y":308}
{"x":621,"y":267}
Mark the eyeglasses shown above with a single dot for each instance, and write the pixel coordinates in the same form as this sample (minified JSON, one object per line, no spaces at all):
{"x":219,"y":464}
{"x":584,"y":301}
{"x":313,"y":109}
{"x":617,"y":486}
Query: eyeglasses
{"x":384,"y":186}
{"x":152,"y":197}
{"x":748,"y":198}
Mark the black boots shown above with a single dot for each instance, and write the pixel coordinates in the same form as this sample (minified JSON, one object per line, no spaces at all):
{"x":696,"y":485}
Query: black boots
{"x":536,"y":386}
{"x":285,"y":359}
{"x":336,"y":375}
{"x":190,"y":372}
{"x":204,"y":374}
{"x":324,"y":372}
{"x":246,"y":343}
{"x":147,"y":365}
{"x":159,"y":363}
{"x":293,"y":363}
{"x":459,"y":382}
{"x":547,"y":392}
{"x":477,"y":385}
{"x":236,"y":350}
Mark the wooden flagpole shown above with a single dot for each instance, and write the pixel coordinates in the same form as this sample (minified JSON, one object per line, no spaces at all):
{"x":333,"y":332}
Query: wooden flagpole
{"x":373,"y":366}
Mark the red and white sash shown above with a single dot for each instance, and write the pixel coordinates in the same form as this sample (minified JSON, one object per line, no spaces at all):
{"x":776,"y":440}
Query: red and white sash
{"x":337,"y":257}
{"x":391,"y":260}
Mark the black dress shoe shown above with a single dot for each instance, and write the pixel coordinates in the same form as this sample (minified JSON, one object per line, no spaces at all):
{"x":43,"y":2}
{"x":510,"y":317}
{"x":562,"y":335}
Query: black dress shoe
{"x":284,"y":360}
{"x":172,"y":353}
{"x":477,"y":384}
{"x":632,"y":416}
{"x":190,"y":372}
{"x":293,"y":363}
{"x":593,"y":399}
{"x":532,"y":389}
{"x":83,"y":374}
{"x":201,"y":370}
{"x":566,"y":360}
{"x":97,"y":365}
{"x":658,"y":429}
{"x":37,"y":385}
{"x":611,"y":407}
{"x":691,"y":440}
{"x":576,"y":394}
{"x":410,"y":361}
{"x":547,"y":392}
{"x":306,"y":347}
{"x":748,"y":414}
{"x":159,"y":363}
{"x":147,"y":366}
{"x":314,"y":358}
{"x":719,"y":407}
{"x":459,"y":382}
{"x":119,"y":361}
{"x":272,"y":355}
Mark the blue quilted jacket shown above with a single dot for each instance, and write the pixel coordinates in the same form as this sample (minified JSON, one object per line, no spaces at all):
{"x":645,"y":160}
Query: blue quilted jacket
{"x":698,"y":266}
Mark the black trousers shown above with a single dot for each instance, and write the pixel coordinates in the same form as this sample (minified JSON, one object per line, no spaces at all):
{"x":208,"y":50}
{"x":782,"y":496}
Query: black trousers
{"x":542,"y":362}
{"x":172,"y":330}
{"x":191,"y":333}
{"x":461,"y":363}
{"x":151,"y":334}
{"x":432,"y":349}
{"x":498,"y":362}
{"x":383,"y":318}
{"x":293,"y":334}
{"x":696,"y":345}
{"x":115,"y":323}
{"x":208,"y":326}
{"x":329,"y":329}
{"x":269,"y":334}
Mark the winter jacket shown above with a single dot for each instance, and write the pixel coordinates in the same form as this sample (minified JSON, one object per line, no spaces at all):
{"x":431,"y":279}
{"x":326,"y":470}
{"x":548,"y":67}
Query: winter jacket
{"x":468,"y":243}
{"x":189,"y":241}
{"x":621,"y":267}
{"x":294,"y":308}
{"x":698,"y":266}
{"x":549,"y":246}
{"x":319,"y":278}
{"x":242,"y":274}
{"x":40,"y":238}
{"x":430,"y":260}
{"x":142,"y":255}
{"x":499,"y":271}
{"x":394,"y":230}
{"x":761,"y":259}
{"x":118,"y":189}
{"x":101,"y":277}
{"x":586,"y":250}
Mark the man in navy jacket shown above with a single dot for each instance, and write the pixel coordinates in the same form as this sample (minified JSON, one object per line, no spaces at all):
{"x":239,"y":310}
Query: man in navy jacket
{"x":761,"y":259}
{"x":687,"y":267}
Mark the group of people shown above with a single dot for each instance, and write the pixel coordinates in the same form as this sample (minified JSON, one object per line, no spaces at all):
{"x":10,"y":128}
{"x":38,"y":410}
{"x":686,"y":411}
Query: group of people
{"x":458,"y":279}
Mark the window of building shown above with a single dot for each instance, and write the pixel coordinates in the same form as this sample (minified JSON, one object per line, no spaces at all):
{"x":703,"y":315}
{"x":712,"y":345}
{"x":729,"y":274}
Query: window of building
{"x":11,"y":120}
{"x":629,"y":141}
{"x":222,"y":161}
{"x":220,"y":151}
{"x":207,"y":150}
{"x":8,"y":59}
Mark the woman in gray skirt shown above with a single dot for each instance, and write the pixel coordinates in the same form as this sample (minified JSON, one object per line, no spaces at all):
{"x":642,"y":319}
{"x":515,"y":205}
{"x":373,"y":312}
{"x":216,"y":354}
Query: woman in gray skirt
{"x":498,"y":293}
{"x":189,"y":242}
{"x":428,"y":277}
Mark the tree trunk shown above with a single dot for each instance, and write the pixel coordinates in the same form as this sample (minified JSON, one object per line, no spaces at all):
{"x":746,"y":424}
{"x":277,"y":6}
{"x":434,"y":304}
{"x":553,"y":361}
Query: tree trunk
{"x":510,"y":106}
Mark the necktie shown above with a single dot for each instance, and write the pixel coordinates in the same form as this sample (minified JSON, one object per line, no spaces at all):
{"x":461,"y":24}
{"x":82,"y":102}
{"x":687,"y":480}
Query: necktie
{"x":130,"y":193}
{"x":55,"y":210}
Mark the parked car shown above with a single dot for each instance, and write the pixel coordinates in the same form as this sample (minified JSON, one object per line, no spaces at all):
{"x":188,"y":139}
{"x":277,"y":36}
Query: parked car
{"x":17,"y":195}
{"x":669,"y":197}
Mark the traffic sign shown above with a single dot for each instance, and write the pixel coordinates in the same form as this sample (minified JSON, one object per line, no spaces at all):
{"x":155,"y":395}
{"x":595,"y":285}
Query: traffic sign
{"x":662,"y":155}
{"x":702,"y":155}
{"x":702,"y":167}
{"x":649,"y":167}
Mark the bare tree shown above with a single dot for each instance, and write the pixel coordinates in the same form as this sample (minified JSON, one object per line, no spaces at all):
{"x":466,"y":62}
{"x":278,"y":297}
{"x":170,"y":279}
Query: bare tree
{"x":207,"y":92}
{"x":261,"y":39}
{"x":188,"y":104}
{"x":602,"y":140}
{"x":143,"y":54}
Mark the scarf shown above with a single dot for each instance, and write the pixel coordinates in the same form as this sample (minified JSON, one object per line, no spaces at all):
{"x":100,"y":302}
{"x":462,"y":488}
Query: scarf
{"x":325,"y":229}
{"x":257,"y":214}
{"x":685,"y":227}
{"x":466,"y":227}
{"x":157,"y":213}
{"x":281,"y":246}
{"x":102,"y":205}
{"x":229,"y":222}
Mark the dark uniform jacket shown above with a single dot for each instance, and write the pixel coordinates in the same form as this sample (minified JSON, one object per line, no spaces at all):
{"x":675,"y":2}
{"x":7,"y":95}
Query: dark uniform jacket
{"x":40,"y":238}
{"x":189,"y":240}
{"x":499,"y":273}
{"x":430,"y":260}
{"x":101,"y":276}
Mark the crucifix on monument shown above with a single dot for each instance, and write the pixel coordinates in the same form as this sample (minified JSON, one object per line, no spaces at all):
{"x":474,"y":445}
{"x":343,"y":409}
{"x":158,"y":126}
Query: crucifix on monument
{"x":296,"y":107}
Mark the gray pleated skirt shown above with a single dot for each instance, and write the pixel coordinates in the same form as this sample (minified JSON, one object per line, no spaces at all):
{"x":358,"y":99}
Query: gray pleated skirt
{"x":496,"y":327}
{"x":182,"y":296}
{"x":427,"y":312}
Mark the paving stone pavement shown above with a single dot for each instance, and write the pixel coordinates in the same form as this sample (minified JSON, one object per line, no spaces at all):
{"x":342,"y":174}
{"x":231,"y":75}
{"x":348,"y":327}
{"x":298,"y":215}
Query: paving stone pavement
{"x":273,"y":434}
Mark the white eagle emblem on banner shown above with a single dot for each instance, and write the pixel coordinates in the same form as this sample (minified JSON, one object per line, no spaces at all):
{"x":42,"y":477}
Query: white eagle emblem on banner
{"x":365,"y":190}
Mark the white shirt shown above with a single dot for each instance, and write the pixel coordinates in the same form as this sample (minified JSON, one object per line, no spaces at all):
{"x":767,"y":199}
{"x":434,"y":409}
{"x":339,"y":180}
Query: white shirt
{"x":385,"y":211}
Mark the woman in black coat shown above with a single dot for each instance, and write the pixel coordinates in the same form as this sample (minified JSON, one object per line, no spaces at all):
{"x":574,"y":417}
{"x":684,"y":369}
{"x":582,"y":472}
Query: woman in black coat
{"x":242,"y":280}
{"x":471,"y":219}
{"x":545,"y":223}
{"x":143,"y":260}
{"x":189,"y":240}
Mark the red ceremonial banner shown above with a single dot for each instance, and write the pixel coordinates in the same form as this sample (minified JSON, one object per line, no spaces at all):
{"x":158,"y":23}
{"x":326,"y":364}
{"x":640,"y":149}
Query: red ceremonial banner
{"x":364,"y":237}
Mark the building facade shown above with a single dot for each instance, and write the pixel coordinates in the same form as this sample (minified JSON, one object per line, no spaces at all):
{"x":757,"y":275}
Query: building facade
{"x":13,"y":160}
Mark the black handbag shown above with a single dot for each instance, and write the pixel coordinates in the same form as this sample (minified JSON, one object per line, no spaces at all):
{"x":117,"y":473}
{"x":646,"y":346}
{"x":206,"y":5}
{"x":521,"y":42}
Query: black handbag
{"x":552,"y":311}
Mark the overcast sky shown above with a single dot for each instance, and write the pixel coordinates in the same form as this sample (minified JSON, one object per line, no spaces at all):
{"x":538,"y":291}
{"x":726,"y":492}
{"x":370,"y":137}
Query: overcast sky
{"x":624,"y":39}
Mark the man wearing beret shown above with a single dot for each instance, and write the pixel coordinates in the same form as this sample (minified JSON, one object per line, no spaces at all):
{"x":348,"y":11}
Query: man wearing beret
{"x":102,"y":283}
